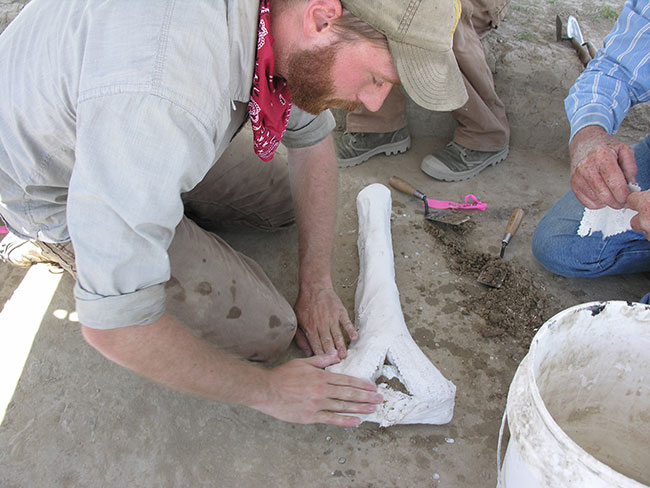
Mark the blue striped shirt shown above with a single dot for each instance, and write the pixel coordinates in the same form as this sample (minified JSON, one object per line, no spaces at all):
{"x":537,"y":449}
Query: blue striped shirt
{"x":619,"y":75}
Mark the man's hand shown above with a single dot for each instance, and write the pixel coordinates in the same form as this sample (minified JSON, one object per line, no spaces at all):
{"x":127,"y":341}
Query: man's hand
{"x":640,"y":201}
{"x":321,"y":315}
{"x":322,"y":319}
{"x":601,"y":167}
{"x":301,"y":391}
{"x":298,"y":391}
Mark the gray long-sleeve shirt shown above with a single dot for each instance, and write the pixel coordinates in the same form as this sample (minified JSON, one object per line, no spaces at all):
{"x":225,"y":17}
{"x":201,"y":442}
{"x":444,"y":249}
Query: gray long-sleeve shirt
{"x":109,"y":111}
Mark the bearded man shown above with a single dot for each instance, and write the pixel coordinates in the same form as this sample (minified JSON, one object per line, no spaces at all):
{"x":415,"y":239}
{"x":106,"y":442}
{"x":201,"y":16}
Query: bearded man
{"x":114,"y":129}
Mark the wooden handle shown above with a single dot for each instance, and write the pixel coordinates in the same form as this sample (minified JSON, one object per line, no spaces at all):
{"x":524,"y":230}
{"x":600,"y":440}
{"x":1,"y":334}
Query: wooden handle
{"x":515,"y":220}
{"x":591,"y":48}
{"x":582,"y":52}
{"x":401,"y":185}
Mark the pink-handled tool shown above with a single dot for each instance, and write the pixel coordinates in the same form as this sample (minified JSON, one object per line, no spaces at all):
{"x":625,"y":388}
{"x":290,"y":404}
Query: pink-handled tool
{"x":433,"y":211}
{"x":471,"y":203}
{"x":3,"y":230}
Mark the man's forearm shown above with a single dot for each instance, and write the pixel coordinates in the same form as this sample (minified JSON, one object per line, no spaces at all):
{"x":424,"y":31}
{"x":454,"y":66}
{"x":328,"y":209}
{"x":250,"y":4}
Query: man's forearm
{"x":168,"y":353}
{"x":314,"y":186}
{"x":298,"y":391}
{"x":321,"y":315}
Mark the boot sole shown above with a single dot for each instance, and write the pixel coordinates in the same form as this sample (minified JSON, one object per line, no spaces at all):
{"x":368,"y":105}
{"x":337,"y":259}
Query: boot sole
{"x":388,"y":149}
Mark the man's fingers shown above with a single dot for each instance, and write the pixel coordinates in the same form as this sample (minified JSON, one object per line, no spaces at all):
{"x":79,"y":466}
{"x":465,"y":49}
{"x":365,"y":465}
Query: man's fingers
{"x":337,"y":334}
{"x":348,"y":400}
{"x":340,"y":406}
{"x":338,"y":379}
{"x":602,"y":168}
{"x":640,"y":201}
{"x":327,"y":342}
{"x":324,"y":360}
{"x":635,"y":223}
{"x":602,"y":183}
{"x":627,"y":161}
{"x":355,"y":395}
{"x":303,"y":343}
{"x":345,"y":387}
{"x":314,"y":342}
{"x":593,"y":191}
{"x":323,"y":318}
{"x":584,"y":193}
{"x":303,"y":392}
{"x":614,"y":188}
{"x":339,"y":342}
{"x":349,"y":327}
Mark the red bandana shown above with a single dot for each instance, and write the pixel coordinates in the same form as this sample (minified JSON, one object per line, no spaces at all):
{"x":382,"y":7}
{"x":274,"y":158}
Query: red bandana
{"x":270,"y":103}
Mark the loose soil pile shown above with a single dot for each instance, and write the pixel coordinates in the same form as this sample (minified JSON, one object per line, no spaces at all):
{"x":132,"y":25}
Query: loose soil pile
{"x":518,"y":308}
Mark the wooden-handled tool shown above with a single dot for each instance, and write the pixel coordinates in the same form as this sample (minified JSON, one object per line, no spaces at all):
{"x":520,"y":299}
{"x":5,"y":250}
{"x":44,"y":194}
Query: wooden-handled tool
{"x":494,"y":272}
{"x":574,"y":35}
{"x":583,"y":54}
{"x":511,"y":229}
{"x":591,"y":48}
{"x":450,"y":218}
{"x":405,"y":187}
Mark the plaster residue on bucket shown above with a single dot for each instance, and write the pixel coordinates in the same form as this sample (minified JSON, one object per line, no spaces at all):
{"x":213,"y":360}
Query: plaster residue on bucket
{"x":623,"y":449}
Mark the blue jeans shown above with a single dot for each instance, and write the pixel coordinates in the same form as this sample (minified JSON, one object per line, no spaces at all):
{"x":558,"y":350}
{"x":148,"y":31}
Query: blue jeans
{"x":559,"y":248}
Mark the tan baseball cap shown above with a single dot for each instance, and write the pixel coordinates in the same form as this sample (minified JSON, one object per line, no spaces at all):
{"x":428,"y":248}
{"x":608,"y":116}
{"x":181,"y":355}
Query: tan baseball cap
{"x":420,"y":37}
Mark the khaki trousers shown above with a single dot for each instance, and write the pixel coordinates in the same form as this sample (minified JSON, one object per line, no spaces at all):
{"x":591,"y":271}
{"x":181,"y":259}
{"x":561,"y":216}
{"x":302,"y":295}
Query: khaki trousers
{"x":223,"y":296}
{"x":482,"y":121}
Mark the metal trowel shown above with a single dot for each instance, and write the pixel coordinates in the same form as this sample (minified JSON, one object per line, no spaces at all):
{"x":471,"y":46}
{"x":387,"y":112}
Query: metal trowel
{"x":450,"y":218}
{"x":586,"y":50}
{"x":494,"y":272}
{"x":573,"y":30}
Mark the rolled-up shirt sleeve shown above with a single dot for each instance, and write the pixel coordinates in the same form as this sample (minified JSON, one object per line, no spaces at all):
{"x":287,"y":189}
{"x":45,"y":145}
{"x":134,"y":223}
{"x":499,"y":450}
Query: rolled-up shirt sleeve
{"x":135,"y":155}
{"x":618,"y":77}
{"x":305,"y":129}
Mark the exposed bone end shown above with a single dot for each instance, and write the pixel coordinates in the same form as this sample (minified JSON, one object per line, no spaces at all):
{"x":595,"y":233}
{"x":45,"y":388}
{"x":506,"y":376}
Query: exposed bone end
{"x":429,"y":397}
{"x":398,"y":408}
{"x":385,"y":347}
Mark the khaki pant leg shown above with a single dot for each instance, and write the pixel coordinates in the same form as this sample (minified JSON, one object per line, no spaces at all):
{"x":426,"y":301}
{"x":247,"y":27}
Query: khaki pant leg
{"x":242,"y":190}
{"x":225,"y":297}
{"x":483,"y":124}
{"x":389,"y":118}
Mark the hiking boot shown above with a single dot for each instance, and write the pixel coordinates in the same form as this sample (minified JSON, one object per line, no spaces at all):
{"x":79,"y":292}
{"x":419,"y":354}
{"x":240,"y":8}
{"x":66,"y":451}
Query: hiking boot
{"x":456,"y":162}
{"x":353,"y":148}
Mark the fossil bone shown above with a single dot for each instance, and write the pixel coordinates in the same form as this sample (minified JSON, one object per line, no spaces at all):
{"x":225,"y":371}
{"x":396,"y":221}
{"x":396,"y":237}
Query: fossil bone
{"x":385,"y":347}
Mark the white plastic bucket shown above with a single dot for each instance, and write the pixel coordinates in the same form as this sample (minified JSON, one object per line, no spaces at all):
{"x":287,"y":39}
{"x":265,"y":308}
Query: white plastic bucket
{"x":578,"y":408}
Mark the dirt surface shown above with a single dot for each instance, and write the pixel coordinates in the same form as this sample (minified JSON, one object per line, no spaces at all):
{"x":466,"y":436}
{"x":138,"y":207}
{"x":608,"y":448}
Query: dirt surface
{"x":506,"y":296}
{"x":76,"y":419}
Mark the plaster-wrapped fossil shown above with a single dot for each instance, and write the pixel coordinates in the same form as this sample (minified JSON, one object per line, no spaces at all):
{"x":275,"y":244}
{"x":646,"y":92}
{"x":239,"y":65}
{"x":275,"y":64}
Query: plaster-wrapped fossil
{"x":385,"y":348}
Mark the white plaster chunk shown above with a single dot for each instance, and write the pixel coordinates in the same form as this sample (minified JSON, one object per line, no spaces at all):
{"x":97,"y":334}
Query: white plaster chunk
{"x":385,"y":346}
{"x":608,"y":221}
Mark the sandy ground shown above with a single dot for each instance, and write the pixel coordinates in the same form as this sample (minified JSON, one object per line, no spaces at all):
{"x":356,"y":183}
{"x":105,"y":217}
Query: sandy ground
{"x":77,"y":420}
